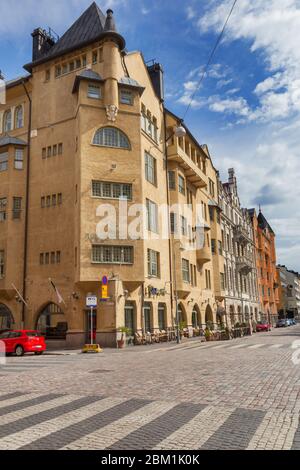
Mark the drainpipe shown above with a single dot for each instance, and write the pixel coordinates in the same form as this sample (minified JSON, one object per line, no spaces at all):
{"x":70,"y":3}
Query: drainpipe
{"x":23,"y":318}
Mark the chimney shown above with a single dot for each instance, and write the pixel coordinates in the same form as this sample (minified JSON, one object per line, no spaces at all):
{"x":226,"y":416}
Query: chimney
{"x":110,"y":22}
{"x":41,"y":44}
{"x":157,"y":77}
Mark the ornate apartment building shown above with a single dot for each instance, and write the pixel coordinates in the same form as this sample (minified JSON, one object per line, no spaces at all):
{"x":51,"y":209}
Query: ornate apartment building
{"x":289,"y":292}
{"x":265,"y":249}
{"x":241,"y":298}
{"x":83,"y":133}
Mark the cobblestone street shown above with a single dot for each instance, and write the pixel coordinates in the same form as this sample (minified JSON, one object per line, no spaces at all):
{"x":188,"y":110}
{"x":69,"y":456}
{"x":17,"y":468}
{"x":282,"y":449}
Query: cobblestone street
{"x":242,"y":394}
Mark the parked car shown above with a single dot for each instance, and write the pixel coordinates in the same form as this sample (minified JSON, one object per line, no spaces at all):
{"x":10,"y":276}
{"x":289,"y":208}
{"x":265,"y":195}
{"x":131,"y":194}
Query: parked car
{"x":20,"y":342}
{"x":263,"y":326}
{"x":294,"y":321}
{"x":281,"y":323}
{"x":289,"y":322}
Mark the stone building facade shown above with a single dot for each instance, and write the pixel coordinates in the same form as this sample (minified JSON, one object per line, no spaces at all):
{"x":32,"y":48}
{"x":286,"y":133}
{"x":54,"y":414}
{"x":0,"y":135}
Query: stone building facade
{"x":83,"y":135}
{"x":265,"y":249}
{"x":289,"y":293}
{"x":241,"y":300}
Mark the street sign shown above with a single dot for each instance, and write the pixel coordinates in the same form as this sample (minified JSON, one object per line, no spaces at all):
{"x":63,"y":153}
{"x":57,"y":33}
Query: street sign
{"x":91,"y":301}
{"x":104,"y":281}
{"x":104,"y":292}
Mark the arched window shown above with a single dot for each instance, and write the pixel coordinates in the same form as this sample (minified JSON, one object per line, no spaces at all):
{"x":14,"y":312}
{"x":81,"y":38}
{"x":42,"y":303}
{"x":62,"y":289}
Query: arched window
{"x":6,"y":318}
{"x":52,"y":323}
{"x":19,"y":117}
{"x":7,"y":121}
{"x":111,"y":137}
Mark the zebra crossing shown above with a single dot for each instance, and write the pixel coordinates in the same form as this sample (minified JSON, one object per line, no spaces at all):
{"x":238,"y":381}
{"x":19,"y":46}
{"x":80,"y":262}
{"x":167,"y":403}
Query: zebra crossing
{"x":228,"y":345}
{"x":58,"y":421}
{"x":27,"y":363}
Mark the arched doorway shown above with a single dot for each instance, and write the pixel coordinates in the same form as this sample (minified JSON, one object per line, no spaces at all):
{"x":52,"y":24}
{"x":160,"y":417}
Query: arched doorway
{"x":51,"y":322}
{"x":148,"y":317}
{"x":209,"y":318}
{"x":196,"y":317}
{"x":6,"y":318}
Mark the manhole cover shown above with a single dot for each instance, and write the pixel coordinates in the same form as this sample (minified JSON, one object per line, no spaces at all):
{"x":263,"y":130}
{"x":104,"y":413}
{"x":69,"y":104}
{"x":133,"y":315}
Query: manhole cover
{"x":99,"y":371}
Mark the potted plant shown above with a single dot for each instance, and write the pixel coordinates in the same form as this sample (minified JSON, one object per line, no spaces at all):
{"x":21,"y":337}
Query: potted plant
{"x":207,"y":334}
{"x":125,"y":331}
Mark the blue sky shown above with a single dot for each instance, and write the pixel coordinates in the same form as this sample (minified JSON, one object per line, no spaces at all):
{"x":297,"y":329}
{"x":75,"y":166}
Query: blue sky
{"x":247,"y":109}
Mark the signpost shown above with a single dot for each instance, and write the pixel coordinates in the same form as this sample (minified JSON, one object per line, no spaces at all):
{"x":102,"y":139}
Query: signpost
{"x":91,"y":302}
{"x":104,"y":289}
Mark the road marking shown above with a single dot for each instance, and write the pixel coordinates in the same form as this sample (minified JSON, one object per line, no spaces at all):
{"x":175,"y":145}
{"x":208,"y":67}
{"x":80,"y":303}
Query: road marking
{"x":256,"y":346}
{"x":151,"y":434}
{"x":238,"y":346}
{"x":195,"y":433}
{"x":32,"y":410}
{"x":276,"y":346}
{"x":38,"y":431}
{"x":59,"y":439}
{"x":276,"y":427}
{"x":120,"y":428}
{"x":15,"y":402}
{"x":220,"y":346}
{"x":236,"y":432}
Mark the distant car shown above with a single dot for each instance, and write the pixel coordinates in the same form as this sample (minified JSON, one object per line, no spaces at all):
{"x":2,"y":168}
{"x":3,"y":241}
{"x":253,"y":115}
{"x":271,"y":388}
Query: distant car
{"x":289,"y":322}
{"x":281,"y":323}
{"x":19,"y":342}
{"x":263,"y":326}
{"x":294,"y":321}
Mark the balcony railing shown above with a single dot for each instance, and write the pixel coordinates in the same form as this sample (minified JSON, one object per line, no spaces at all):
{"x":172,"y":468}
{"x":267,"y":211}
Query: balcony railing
{"x":244,"y":265}
{"x":241,"y":234}
{"x":193,"y":173}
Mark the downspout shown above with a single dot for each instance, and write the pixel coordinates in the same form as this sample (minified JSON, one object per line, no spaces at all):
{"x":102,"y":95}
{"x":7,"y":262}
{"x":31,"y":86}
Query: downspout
{"x":23,"y":318}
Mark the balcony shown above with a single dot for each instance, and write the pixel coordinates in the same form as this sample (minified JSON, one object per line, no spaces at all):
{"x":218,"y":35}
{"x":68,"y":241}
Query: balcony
{"x":244,"y":265}
{"x":192,"y":172}
{"x":203,"y":255}
{"x":241,"y":235}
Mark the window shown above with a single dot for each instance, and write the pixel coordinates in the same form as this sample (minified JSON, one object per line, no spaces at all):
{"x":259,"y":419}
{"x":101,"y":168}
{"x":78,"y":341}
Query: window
{"x":2,"y":265}
{"x":7,"y":121}
{"x":147,"y":317}
{"x":47,"y":75}
{"x":54,"y":199}
{"x":60,"y":149}
{"x":153,"y":263}
{"x":49,"y":152}
{"x":54,"y":152}
{"x":183,"y":224}
{"x":111,"y":190}
{"x":59,"y":198}
{"x":17,"y":206}
{"x":129,"y":317}
{"x":101,"y":54}
{"x":83,"y":60}
{"x":126,"y":97}
{"x":161,"y":317}
{"x":52,"y":257}
{"x":43,"y":202}
{"x":78,"y":63}
{"x":152,"y":213}
{"x":19,"y":117}
{"x":213,"y":246}
{"x":149,"y":124}
{"x":150,"y":168}
{"x":44,"y":152}
{"x":111,"y":137}
{"x":19,"y":159}
{"x":185,"y":270}
{"x":211,"y":187}
{"x":181,"y":185}
{"x":95,"y":57}
{"x":58,"y":257}
{"x":3,"y":206}
{"x":3,"y":161}
{"x":173,"y":223}
{"x":220,"y":247}
{"x":207,"y":279}
{"x":57,"y":71}
{"x":46,"y":258}
{"x":94,"y":91}
{"x":211,"y":214}
{"x":48,"y":201}
{"x":64,"y":68}
{"x":222,"y":281}
{"x":112,"y":254}
{"x":171,"y":179}
{"x":71,"y":66}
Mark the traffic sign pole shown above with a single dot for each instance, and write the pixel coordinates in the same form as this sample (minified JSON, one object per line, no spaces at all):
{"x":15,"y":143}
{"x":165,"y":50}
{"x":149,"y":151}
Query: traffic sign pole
{"x":92,"y":339}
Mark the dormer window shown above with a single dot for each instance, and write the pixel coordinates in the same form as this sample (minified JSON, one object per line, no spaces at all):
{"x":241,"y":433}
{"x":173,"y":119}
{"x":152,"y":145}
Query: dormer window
{"x":94,"y":91}
{"x":95,"y":57}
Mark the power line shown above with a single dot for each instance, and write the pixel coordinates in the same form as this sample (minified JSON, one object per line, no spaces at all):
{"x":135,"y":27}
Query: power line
{"x":210,"y":58}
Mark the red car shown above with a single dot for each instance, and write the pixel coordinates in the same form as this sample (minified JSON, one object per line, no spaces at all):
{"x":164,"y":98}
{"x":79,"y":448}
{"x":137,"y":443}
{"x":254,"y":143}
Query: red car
{"x":263,"y":326}
{"x":23,"y":341}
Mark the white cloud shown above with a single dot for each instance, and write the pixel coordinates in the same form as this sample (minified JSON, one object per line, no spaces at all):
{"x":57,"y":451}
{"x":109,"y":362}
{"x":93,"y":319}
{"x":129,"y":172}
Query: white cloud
{"x":273,"y":28}
{"x":236,"y":106}
{"x":190,"y":13}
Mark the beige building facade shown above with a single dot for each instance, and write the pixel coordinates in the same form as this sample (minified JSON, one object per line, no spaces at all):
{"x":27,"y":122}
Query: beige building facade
{"x":241,"y":300}
{"x":88,"y":160}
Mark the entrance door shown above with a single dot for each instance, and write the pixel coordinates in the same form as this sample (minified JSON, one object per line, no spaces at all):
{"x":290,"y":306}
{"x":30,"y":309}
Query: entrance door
{"x":90,"y":326}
